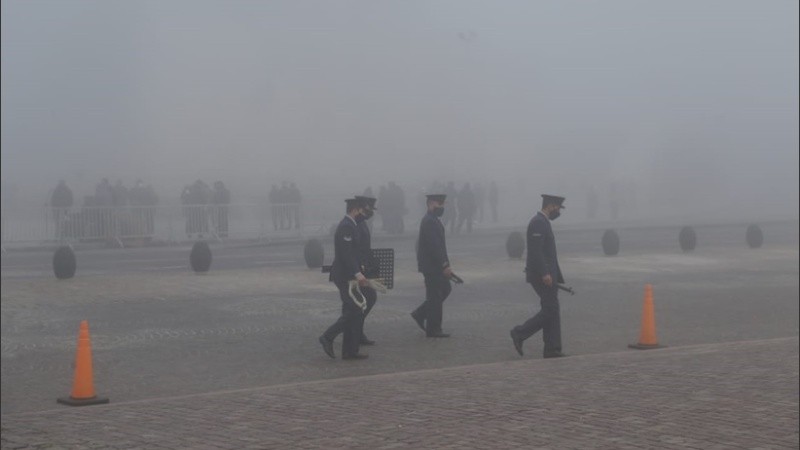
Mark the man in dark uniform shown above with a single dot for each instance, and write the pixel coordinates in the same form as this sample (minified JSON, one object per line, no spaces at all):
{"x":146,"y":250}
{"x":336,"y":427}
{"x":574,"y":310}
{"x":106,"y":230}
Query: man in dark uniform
{"x":369,"y":267}
{"x":543,"y":273}
{"x":432,"y":261}
{"x":346,"y":266}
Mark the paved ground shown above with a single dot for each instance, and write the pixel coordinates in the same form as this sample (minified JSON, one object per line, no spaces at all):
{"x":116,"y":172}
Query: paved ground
{"x":739,"y":395}
{"x":160,"y":331}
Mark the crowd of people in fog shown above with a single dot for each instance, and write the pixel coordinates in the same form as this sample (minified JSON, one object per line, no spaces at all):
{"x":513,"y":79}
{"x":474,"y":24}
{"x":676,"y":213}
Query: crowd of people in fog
{"x":206,"y":208}
{"x":113,"y":210}
{"x":393,"y":207}
{"x":285,"y":206}
{"x":116,"y":210}
{"x":465,"y":206}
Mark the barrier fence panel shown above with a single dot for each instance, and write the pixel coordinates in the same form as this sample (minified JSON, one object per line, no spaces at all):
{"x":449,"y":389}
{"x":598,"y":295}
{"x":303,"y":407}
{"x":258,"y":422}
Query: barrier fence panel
{"x":25,"y":225}
{"x":167,"y":223}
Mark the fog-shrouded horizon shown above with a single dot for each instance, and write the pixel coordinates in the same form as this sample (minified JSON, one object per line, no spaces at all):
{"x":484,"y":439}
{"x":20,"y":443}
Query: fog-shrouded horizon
{"x":683,"y":104}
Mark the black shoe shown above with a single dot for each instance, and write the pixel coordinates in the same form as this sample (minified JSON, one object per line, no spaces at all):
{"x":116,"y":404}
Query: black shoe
{"x":420,"y":321}
{"x":555,"y":355}
{"x":365,"y":341}
{"x":327,"y":346}
{"x":356,"y":356}
{"x":437,"y":334}
{"x":517,"y":342}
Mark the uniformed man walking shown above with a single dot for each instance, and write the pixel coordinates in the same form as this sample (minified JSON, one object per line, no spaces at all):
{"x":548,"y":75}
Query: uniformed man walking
{"x":369,"y":267}
{"x":544,"y":274}
{"x":432,"y":261}
{"x":346,"y":267}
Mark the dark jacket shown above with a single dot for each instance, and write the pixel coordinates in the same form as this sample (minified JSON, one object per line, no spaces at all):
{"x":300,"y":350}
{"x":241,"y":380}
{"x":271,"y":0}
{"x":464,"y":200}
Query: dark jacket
{"x":346,"y":259}
{"x":432,"y":251}
{"x":542,"y":257}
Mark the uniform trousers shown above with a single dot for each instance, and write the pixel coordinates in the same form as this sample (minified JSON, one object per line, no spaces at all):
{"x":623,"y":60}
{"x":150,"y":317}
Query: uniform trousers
{"x":548,"y":319}
{"x":437,"y":289}
{"x":349,"y":323}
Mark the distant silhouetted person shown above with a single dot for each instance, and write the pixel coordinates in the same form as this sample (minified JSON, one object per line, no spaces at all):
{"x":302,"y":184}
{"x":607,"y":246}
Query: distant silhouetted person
{"x":451,"y":213}
{"x":61,"y":201}
{"x":395,"y":205}
{"x":295,"y":198}
{"x":151,"y":200}
{"x":103,"y":193}
{"x":201,"y":194}
{"x":283,"y":196}
{"x":400,"y":203}
{"x":119,"y":198}
{"x":104,"y":199}
{"x":274,"y":206}
{"x":466,"y":208}
{"x":195,"y":198}
{"x":383,"y":200}
{"x":137,"y":199}
{"x":119,"y":194}
{"x":370,"y":220}
{"x":186,"y":198}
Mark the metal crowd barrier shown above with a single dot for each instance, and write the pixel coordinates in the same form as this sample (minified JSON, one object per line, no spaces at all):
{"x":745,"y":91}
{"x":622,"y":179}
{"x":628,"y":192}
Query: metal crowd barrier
{"x":165,"y":223}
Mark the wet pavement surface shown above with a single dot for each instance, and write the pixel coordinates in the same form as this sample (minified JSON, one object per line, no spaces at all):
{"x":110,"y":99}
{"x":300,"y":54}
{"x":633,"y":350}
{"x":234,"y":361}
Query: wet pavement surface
{"x":158,"y":330}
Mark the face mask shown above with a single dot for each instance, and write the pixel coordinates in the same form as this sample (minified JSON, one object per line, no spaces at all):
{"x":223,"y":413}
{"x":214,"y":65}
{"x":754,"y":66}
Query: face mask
{"x":438,"y":211}
{"x":554,"y":215}
{"x":368,"y":214}
{"x":360,"y":218}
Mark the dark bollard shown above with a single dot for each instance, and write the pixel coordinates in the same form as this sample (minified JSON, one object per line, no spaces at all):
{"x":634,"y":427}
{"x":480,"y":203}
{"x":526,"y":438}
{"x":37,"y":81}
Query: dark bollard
{"x":687,"y":238}
{"x":64,"y":263}
{"x":610,"y":243}
{"x":754,"y":236}
{"x":314,"y":253}
{"x":515,"y":245}
{"x":200,"y":257}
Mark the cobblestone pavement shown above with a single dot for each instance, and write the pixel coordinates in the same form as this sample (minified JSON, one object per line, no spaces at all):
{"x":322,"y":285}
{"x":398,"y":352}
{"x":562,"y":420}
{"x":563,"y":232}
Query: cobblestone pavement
{"x":159,"y":334}
{"x":228,"y":342}
{"x":736,"y":395}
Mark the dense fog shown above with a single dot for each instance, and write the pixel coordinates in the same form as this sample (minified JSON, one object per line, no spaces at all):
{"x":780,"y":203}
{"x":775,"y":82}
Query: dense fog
{"x":680,"y":107}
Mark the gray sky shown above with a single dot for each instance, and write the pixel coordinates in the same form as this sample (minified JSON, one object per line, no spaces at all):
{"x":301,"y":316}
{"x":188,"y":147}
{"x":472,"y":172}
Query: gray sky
{"x":678,"y":99}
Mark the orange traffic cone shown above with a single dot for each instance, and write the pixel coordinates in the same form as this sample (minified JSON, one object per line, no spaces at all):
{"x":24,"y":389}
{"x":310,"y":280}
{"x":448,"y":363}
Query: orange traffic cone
{"x":83,"y":385}
{"x":647,"y":336}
